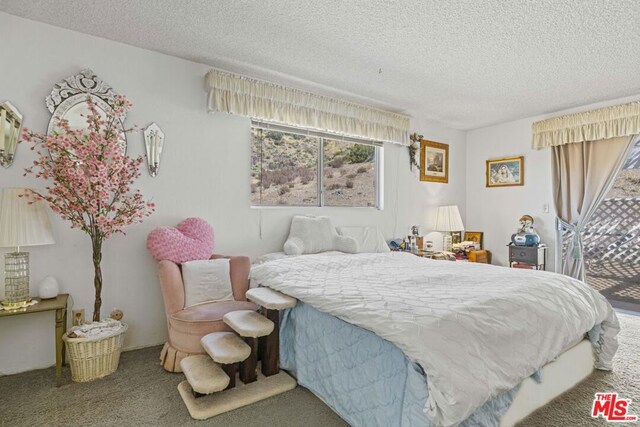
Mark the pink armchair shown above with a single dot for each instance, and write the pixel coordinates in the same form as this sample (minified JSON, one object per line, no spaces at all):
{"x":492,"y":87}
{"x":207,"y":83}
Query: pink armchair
{"x":187,"y":325}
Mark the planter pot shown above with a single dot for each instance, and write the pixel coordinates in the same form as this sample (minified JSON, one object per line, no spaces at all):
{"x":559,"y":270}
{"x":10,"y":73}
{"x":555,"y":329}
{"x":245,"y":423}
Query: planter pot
{"x":93,"y":358}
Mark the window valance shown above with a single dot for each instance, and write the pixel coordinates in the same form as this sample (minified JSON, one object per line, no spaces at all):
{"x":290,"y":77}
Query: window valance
{"x":233,"y":93}
{"x":603,"y":123}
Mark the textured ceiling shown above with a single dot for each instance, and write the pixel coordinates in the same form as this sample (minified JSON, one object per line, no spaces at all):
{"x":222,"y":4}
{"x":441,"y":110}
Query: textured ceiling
{"x":464,"y":63}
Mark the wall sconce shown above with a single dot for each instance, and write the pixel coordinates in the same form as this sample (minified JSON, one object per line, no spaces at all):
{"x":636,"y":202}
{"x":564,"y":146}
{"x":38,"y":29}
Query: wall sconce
{"x":153,"y":141}
{"x":10,"y":128}
{"x":413,"y":150}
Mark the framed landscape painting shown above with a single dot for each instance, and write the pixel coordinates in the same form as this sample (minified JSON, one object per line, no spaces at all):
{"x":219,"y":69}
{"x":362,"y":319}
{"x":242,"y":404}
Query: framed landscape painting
{"x":434,"y":161}
{"x":505,"y":172}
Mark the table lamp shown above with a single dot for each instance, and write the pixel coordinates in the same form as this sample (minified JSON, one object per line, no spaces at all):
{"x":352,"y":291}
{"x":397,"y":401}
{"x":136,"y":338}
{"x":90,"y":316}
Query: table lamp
{"x":23,"y":222}
{"x":447,"y":221}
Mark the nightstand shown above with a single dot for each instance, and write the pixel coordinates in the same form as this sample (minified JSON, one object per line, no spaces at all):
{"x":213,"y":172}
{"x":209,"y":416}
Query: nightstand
{"x":531,"y":257}
{"x":480,"y":256}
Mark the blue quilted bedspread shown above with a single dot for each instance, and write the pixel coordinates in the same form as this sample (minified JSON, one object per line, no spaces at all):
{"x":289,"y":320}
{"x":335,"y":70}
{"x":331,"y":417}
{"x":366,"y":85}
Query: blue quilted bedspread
{"x":367,"y":380}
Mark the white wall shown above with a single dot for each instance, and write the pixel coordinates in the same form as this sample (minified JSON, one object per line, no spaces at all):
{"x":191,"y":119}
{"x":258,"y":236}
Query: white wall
{"x":496,"y":211}
{"x":204,"y":172}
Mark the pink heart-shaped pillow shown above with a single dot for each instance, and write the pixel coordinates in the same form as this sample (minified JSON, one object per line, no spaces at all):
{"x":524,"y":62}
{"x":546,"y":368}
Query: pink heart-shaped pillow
{"x":191,"y":240}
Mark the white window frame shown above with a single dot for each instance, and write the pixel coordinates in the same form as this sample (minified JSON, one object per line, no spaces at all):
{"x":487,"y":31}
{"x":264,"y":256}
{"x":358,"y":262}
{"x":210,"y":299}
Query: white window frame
{"x":378,"y":161}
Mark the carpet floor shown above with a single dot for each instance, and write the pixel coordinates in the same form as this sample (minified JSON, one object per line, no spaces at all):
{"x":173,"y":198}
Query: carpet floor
{"x":141,"y":393}
{"x":573,"y":408}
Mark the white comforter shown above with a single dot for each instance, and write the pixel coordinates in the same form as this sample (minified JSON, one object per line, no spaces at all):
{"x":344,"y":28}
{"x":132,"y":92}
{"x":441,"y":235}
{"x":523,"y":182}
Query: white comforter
{"x":477,"y":330}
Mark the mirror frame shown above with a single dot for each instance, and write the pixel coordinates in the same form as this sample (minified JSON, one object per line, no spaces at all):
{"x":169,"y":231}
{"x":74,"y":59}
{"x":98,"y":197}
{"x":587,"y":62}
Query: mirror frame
{"x":15,"y":119}
{"x":75,"y":90}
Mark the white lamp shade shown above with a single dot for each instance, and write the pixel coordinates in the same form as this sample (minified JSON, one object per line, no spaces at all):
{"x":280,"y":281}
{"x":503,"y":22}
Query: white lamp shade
{"x":449,"y":219}
{"x":23,"y":223}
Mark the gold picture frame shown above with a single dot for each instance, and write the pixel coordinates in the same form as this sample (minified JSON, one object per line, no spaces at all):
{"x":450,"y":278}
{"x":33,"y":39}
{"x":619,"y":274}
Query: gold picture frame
{"x":505,"y":172}
{"x":474,"y":236}
{"x":434,"y":161}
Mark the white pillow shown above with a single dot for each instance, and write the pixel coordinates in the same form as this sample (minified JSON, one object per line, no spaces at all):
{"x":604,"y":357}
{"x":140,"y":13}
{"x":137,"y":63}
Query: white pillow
{"x":370,"y":239}
{"x":206,"y":280}
{"x":312,"y":235}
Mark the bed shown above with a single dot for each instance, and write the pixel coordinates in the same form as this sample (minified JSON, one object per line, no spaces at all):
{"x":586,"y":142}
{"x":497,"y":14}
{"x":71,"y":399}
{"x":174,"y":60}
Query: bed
{"x":395,"y":339}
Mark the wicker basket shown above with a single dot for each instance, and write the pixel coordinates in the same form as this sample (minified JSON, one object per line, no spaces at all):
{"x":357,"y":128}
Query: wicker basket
{"x":93,"y":359}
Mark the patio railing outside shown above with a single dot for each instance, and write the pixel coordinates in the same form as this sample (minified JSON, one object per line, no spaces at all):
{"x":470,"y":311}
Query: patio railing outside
{"x":614,"y":232}
{"x":612,"y":251}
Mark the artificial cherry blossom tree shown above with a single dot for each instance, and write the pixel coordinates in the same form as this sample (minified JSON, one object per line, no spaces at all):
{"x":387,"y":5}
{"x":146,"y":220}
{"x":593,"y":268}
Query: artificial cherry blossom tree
{"x":91,"y":179}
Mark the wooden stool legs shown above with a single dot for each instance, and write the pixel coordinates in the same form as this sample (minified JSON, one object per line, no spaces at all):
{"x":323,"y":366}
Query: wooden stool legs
{"x":230,"y":370}
{"x":248,"y":372}
{"x":271,"y":350}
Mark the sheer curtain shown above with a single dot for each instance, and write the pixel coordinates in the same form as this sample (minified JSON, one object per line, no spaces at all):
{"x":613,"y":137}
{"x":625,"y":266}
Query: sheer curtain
{"x":588,"y":151}
{"x":583,"y":173}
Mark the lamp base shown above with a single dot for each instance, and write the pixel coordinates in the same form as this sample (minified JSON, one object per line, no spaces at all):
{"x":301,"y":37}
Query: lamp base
{"x":16,"y":280}
{"x":19,"y":306}
{"x":446,"y":243}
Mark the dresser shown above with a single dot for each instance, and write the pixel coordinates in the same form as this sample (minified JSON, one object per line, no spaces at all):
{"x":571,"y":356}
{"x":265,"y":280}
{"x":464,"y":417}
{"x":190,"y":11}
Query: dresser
{"x":531,"y":257}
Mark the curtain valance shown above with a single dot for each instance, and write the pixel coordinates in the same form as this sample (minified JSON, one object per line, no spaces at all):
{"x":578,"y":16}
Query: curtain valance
{"x":233,"y":93}
{"x":603,"y":123}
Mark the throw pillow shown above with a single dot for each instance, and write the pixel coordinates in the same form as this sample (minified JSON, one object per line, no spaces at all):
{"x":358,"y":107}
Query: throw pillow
{"x":312,"y":235}
{"x":206,"y":280}
{"x":370,"y":239}
{"x":190,"y":240}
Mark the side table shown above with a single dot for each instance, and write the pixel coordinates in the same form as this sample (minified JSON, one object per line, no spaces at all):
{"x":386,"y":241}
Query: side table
{"x":532,"y":257}
{"x":59,"y":304}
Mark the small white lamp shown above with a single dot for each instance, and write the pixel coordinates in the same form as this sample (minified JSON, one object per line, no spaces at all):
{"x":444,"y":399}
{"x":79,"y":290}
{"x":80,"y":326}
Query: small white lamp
{"x":447,"y":221}
{"x":23,"y":222}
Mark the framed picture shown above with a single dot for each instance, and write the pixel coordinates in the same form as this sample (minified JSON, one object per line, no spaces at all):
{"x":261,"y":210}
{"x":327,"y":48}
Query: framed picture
{"x":434,"y":161}
{"x":456,"y":237}
{"x":505,"y":172}
{"x":473,"y":236}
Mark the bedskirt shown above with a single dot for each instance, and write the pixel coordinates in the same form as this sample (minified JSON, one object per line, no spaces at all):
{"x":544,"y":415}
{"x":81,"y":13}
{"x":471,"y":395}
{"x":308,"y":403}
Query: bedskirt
{"x":365,"y":379}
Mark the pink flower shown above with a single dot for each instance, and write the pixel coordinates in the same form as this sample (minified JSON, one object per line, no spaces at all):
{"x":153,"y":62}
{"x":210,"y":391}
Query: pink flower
{"x":90,"y":175}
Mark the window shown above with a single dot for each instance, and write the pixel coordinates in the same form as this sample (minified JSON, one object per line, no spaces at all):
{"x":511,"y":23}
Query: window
{"x":285,"y":165}
{"x":284,"y":169}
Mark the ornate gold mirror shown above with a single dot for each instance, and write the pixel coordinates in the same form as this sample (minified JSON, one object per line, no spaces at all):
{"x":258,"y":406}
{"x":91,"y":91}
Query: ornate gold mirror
{"x":10,"y":128}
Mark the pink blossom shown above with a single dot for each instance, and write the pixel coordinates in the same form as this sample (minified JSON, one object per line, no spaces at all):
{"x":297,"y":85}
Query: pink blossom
{"x":90,"y":175}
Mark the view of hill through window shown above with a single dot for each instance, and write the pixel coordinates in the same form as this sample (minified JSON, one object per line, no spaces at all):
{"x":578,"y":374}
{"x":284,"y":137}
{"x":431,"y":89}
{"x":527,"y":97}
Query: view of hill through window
{"x":627,"y":183}
{"x":284,"y":171}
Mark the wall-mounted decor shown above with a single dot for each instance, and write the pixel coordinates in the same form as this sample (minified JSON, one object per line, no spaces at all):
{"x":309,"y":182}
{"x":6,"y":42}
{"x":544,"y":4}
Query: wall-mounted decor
{"x":68,"y":100}
{"x":474,"y":236}
{"x":10,"y":127}
{"x":153,"y":142}
{"x":413,"y":150}
{"x":505,"y":172}
{"x":434,"y":161}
